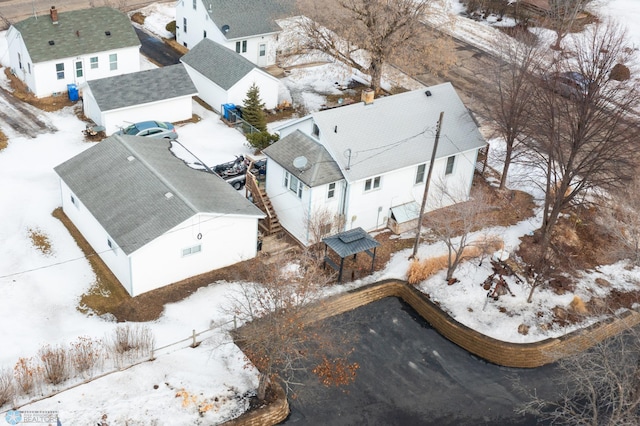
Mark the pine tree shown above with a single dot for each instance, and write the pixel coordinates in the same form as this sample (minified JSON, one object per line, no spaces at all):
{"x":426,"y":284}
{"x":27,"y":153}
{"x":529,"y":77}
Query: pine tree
{"x":253,"y":110}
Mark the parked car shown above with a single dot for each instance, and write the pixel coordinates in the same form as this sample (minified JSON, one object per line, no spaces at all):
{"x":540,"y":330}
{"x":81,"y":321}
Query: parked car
{"x":153,"y":129}
{"x":570,"y":84}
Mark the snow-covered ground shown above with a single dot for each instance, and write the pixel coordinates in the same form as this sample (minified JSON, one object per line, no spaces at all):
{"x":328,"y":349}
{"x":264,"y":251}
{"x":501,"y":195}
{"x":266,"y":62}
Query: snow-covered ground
{"x":40,"y":291}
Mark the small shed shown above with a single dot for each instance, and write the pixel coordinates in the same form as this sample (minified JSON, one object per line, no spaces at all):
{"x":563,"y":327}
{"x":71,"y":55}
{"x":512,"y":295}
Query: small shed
{"x":404,"y":217}
{"x":349,"y":243}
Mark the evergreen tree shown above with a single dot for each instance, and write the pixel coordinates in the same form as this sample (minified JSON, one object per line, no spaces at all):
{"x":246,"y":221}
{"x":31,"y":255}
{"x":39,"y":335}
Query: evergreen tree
{"x":253,"y":110}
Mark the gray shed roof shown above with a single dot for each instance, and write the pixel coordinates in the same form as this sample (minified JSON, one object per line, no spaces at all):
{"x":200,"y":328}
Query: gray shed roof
{"x":142,"y":87}
{"x":351,"y":242}
{"x":219,"y":64}
{"x":247,"y":18}
{"x":78,"y":32}
{"x":124,"y":181}
{"x":321,"y":168}
{"x":397,"y":131}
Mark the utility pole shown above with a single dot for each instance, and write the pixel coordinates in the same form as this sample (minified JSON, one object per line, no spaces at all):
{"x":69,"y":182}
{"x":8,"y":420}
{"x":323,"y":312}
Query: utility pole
{"x":426,"y":187}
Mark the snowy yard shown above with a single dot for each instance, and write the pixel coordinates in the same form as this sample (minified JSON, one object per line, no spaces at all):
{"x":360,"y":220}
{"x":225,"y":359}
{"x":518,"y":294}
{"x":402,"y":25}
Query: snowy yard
{"x":41,"y":289}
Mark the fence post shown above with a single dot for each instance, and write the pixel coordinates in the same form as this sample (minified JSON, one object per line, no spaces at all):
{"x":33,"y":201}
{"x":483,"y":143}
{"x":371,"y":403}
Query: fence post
{"x":151,"y":357}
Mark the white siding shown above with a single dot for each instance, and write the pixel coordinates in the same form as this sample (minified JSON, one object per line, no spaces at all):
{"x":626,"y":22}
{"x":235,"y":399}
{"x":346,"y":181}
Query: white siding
{"x":171,"y":110}
{"x":208,"y":91}
{"x":267,"y":84}
{"x":305,"y":125}
{"x":225,"y":240}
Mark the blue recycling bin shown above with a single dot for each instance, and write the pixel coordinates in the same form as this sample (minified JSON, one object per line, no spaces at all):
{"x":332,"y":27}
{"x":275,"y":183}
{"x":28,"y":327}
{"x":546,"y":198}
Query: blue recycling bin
{"x":228,"y":112}
{"x":73,"y":92}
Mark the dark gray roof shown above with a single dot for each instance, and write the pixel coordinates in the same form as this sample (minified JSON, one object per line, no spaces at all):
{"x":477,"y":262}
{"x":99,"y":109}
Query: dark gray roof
{"x":142,"y":87}
{"x":247,"y":18}
{"x":321,"y":168}
{"x":219,"y":64}
{"x":78,"y":32}
{"x":351,"y":242}
{"x":124,"y":181}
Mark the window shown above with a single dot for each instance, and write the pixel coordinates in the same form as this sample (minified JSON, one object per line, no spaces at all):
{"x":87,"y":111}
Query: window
{"x":191,"y":250}
{"x":74,"y":201}
{"x":237,"y":47}
{"x":450,"y":161}
{"x":19,"y":61}
{"x":420,"y":173}
{"x":94,"y":62}
{"x":60,"y":71}
{"x":113,"y":61}
{"x":184,"y":24}
{"x":195,"y":4}
{"x":79,"y":72}
{"x":263,"y":50}
{"x":316,"y":131}
{"x":204,"y":34}
{"x":293,"y":183}
{"x":373,"y":183}
{"x":244,"y":46}
{"x":331,"y":192}
{"x":29,"y":67}
{"x":112,"y":245}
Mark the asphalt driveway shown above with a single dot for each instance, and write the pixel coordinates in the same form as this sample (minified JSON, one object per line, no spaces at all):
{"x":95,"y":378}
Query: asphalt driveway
{"x":410,"y":375}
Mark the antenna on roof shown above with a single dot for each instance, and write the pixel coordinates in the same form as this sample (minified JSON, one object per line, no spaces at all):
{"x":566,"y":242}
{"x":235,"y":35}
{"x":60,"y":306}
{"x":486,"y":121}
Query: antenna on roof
{"x":300,"y":163}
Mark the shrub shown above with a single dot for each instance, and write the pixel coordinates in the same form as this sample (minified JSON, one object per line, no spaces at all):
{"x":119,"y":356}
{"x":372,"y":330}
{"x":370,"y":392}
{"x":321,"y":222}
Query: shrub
{"x":620,"y":72}
{"x":85,"y":354}
{"x":55,"y":363}
{"x":261,"y":140}
{"x":26,"y":374}
{"x":7,"y":391}
{"x":171,"y":27}
{"x":421,"y":270}
{"x":130,"y":342}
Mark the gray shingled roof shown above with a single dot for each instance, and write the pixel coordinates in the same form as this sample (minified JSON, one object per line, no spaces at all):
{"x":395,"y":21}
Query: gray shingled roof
{"x":142,"y":87}
{"x":321,"y":169}
{"x":123,"y":180}
{"x":78,"y":32}
{"x":351,"y":242}
{"x":397,"y":131}
{"x":247,"y":18}
{"x":219,"y":64}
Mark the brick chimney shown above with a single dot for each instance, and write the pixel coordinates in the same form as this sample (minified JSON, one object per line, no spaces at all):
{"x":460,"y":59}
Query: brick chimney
{"x":367,"y":96}
{"x":54,"y":15}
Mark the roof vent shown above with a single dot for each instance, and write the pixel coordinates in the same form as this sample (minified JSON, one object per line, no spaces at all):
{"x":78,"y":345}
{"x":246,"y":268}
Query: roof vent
{"x":51,"y":42}
{"x":77,"y":33}
{"x":107,"y":33}
{"x":225,"y":28}
{"x":168,"y":195}
{"x":428,"y":93}
{"x":131,"y":158}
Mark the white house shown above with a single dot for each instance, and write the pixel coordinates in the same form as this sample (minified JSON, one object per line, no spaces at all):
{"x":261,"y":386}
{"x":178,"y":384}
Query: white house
{"x":50,"y":52}
{"x":151,"y":218}
{"x":164,"y":94}
{"x":247,"y":27}
{"x":367,"y":163}
{"x":222,"y":76}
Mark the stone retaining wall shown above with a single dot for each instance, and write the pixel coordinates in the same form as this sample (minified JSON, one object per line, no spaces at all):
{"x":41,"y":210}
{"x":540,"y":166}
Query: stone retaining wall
{"x":527,"y":355}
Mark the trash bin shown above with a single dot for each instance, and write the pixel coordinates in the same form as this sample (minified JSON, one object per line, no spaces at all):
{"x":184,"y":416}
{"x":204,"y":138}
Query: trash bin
{"x":228,"y":112}
{"x":73,"y":92}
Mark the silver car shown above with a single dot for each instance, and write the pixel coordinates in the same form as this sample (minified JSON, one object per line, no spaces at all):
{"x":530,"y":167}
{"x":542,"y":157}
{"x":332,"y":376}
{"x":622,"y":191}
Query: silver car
{"x":153,"y":129}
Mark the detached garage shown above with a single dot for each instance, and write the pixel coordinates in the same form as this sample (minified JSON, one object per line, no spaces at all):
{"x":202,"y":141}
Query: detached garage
{"x":151,"y":218}
{"x":223,"y":76}
{"x":163,"y":94}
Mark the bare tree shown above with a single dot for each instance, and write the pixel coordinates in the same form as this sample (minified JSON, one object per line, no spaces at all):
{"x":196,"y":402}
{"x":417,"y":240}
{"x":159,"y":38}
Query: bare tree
{"x":367,"y":34}
{"x":280,"y":335}
{"x":510,"y":103}
{"x":562,"y":17}
{"x":321,"y":223}
{"x":585,"y":141}
{"x":455,"y":224}
{"x":598,"y":387}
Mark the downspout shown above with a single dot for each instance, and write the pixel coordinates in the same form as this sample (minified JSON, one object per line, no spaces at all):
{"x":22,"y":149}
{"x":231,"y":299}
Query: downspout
{"x":309,"y":218}
{"x":344,"y":209}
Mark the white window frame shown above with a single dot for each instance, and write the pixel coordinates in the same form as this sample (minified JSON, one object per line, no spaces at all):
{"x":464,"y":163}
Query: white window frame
{"x":60,"y":70}
{"x":79,"y":69}
{"x":192,"y":250}
{"x":93,"y":61}
{"x":113,"y":61}
{"x":372,"y":184}
{"x":195,"y":2}
{"x":420,"y":173}
{"x":451,"y":163}
{"x":331,"y":190}
{"x":293,"y":184}
{"x":184,"y":25}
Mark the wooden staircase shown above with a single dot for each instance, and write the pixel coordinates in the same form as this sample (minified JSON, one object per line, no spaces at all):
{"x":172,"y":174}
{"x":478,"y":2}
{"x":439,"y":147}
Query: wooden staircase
{"x":269,"y":225}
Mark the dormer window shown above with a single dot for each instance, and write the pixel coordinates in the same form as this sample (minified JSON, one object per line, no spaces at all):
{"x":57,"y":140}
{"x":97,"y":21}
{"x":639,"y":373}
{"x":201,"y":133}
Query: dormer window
{"x":316,"y":131}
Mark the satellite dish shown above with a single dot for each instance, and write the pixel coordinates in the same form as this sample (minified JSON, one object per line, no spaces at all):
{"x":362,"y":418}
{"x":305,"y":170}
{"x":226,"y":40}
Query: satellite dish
{"x":300,"y":162}
{"x":225,"y":28}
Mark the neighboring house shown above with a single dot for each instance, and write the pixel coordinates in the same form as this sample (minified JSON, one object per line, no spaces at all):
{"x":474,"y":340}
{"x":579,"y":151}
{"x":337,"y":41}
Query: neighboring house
{"x":247,"y":27}
{"x":222,"y":76}
{"x":163,"y":94}
{"x":365,"y":165}
{"x":151,"y":218}
{"x":49,"y":52}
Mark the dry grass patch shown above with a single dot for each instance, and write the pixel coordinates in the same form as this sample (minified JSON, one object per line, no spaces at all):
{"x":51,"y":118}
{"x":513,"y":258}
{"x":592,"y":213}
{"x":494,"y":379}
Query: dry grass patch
{"x":4,"y":141}
{"x":40,"y":241}
{"x":49,"y":104}
{"x":138,"y":18}
{"x":106,"y":293}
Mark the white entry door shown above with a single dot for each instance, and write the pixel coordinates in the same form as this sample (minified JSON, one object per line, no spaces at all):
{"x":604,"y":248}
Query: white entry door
{"x":262,"y":55}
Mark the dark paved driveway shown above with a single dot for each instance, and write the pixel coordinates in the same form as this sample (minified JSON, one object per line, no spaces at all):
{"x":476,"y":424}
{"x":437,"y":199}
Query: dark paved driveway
{"x":157,"y":50}
{"x":410,"y":375}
